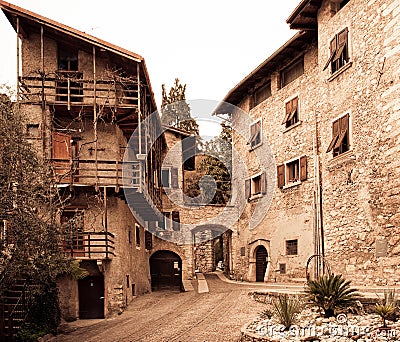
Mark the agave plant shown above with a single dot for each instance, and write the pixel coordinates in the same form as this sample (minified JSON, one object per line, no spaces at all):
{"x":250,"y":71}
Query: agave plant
{"x":386,"y":308}
{"x":286,"y":309}
{"x":331,"y":292}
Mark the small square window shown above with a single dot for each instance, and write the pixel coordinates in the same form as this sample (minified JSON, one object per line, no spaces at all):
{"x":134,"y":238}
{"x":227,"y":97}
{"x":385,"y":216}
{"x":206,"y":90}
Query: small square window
{"x":282,"y":268}
{"x":242,"y":251}
{"x":340,"y":142}
{"x":256,"y":185}
{"x":291,"y":247}
{"x":32,"y":130}
{"x":148,"y":240}
{"x":255,"y":134}
{"x":292,"y":171}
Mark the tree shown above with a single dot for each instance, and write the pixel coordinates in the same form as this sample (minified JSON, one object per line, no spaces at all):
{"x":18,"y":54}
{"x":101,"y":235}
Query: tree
{"x":29,"y":241}
{"x":175,"y":111}
{"x":216,"y":161}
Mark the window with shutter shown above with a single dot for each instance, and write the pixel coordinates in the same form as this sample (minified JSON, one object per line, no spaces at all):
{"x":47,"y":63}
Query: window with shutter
{"x":339,"y":52}
{"x":303,"y":168}
{"x":175,"y":221}
{"x":281,"y":175}
{"x":292,"y":112}
{"x":255,"y":134}
{"x":293,"y":71}
{"x":165,"y":178}
{"x":137,"y":236}
{"x":340,"y":136}
{"x":256,"y":185}
{"x":247,"y":189}
{"x":148,"y":240}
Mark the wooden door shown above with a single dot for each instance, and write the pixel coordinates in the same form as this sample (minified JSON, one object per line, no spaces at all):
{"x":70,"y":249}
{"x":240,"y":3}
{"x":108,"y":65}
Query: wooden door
{"x":91,"y":297}
{"x":261,"y":263}
{"x":61,"y":155}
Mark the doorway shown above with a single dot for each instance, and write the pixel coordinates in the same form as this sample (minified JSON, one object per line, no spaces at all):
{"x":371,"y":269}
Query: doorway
{"x":261,"y":263}
{"x":91,"y":297}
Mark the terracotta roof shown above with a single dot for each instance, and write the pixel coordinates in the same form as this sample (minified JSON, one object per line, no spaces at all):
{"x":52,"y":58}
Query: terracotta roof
{"x":286,"y":53}
{"x":11,"y":10}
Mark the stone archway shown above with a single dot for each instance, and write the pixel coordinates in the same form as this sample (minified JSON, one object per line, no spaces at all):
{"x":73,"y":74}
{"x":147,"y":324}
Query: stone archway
{"x":212,"y":244}
{"x":260,"y":248}
{"x":166,"y":271}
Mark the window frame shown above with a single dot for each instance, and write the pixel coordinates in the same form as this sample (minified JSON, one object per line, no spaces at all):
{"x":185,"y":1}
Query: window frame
{"x":292,"y":117}
{"x":338,"y":61}
{"x":290,"y":245}
{"x":283,"y":82}
{"x":261,"y":90}
{"x":340,"y":135}
{"x":164,"y":169}
{"x":257,"y":122}
{"x":137,"y":236}
{"x":249,"y":186}
{"x":283,"y":181}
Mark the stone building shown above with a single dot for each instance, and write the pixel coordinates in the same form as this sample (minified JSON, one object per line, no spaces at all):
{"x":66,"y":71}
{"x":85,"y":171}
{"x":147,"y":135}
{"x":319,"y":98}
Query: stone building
{"x":83,"y":98}
{"x":326,"y":106}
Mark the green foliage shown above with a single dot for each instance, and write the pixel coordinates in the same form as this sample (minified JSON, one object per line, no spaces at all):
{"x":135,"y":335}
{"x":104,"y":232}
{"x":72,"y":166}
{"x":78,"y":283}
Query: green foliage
{"x":175,"y":111}
{"x":331,"y":292}
{"x":286,"y":309}
{"x":386,"y":308}
{"x":266,"y":313}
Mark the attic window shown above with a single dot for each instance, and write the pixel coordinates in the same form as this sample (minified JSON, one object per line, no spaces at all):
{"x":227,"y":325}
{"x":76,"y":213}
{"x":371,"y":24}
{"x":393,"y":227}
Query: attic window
{"x":293,"y":71}
{"x":261,"y":94}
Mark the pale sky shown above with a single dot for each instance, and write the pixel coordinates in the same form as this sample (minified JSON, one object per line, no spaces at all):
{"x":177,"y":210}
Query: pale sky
{"x":210,"y":45}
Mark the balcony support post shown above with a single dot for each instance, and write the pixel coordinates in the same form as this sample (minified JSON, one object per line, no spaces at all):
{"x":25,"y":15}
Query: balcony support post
{"x":95,"y":117}
{"x":105,"y":220}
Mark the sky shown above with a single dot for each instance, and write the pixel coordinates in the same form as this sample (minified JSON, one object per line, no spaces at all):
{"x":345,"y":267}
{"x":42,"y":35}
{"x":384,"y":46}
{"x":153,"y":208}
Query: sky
{"x":210,"y":45}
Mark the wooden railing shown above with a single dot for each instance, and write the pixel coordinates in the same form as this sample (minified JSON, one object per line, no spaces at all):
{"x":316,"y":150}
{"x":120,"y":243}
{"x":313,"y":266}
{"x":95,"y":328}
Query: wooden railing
{"x":100,"y":172}
{"x":89,"y":245}
{"x":70,"y":88}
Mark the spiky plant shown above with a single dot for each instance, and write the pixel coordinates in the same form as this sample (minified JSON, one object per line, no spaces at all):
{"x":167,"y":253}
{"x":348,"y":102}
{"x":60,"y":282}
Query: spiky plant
{"x":330,"y":292}
{"x":286,"y":309}
{"x":386,"y":308}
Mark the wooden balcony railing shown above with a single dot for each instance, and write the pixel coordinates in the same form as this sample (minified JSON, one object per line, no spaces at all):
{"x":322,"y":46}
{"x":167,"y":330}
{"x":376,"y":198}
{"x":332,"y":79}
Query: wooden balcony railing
{"x":100,"y":172}
{"x":89,"y":245}
{"x":70,"y":88}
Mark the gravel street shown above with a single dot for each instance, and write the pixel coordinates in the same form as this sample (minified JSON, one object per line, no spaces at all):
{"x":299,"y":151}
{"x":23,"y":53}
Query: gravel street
{"x":172,"y":316}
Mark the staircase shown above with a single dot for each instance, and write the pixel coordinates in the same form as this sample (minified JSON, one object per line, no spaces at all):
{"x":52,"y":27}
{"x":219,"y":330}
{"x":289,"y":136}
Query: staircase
{"x":14,"y":309}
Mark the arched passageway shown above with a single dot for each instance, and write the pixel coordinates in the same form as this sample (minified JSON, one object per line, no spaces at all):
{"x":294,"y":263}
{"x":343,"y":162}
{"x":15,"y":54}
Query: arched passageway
{"x":261,"y":262}
{"x":166,"y":271}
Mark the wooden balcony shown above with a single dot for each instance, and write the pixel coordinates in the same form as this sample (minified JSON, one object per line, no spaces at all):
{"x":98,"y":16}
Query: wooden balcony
{"x":89,"y":245}
{"x":98,"y":173}
{"x":69,"y":88}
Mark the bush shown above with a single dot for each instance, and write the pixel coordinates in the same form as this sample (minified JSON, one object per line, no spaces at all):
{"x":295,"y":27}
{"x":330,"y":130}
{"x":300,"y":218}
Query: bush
{"x":386,"y":308}
{"x":286,"y":309}
{"x":331,"y":292}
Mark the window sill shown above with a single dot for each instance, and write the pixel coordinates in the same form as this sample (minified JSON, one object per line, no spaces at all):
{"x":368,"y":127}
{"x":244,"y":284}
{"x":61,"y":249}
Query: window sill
{"x":255,"y":197}
{"x":255,"y":146}
{"x":293,"y":126}
{"x":340,"y":71}
{"x":291,"y":185}
{"x":345,"y":157}
{"x":292,"y":255}
{"x":138,"y":248}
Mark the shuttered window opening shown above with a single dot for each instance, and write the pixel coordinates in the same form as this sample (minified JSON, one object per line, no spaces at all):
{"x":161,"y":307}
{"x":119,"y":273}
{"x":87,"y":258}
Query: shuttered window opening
{"x":256,"y":185}
{"x":169,"y":177}
{"x":291,"y":112}
{"x":148,"y":240}
{"x":255,"y":134}
{"x":339,"y":51}
{"x":292,"y":172}
{"x":291,"y":247}
{"x":292,"y":72}
{"x":261,"y":94}
{"x":137,"y":236}
{"x":175,"y":221}
{"x":340,"y":136}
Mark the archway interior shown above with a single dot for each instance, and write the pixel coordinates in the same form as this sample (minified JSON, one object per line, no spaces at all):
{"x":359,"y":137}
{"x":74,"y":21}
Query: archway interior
{"x":166,"y":271}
